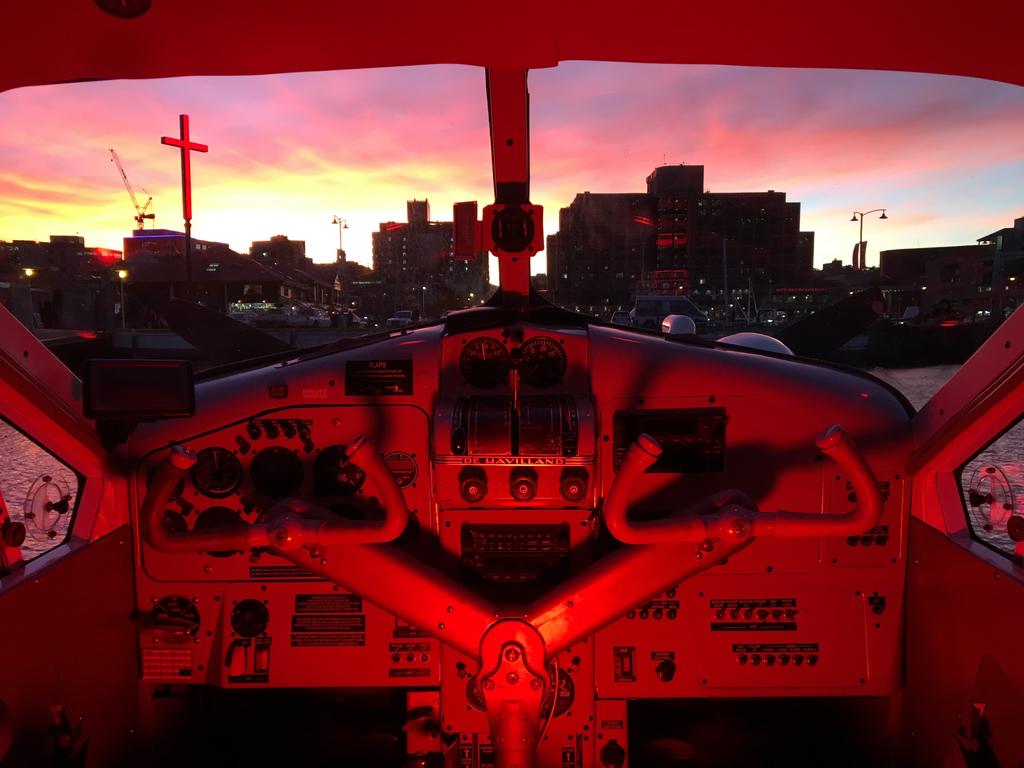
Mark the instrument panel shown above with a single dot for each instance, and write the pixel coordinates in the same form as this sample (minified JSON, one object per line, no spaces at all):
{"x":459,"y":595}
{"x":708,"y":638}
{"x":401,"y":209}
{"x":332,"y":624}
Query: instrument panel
{"x":504,"y":442}
{"x":243,"y":469}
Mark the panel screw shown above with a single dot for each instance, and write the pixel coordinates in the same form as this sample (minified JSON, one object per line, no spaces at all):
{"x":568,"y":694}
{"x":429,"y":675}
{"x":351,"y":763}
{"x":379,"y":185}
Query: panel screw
{"x":512,"y":654}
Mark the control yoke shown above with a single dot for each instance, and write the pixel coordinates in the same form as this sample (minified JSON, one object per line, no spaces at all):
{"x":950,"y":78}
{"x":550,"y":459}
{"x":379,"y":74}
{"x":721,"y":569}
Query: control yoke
{"x":730,"y":520}
{"x":512,"y":644}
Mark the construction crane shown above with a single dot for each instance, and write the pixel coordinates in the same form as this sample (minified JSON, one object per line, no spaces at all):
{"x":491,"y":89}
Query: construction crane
{"x":140,"y":210}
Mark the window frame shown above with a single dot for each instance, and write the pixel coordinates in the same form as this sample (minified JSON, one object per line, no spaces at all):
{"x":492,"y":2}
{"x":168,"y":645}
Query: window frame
{"x":80,"y":478}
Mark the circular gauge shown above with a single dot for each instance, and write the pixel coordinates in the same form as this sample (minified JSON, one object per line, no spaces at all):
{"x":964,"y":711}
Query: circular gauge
{"x":403,"y":467}
{"x":250,"y":618}
{"x":484,"y":362}
{"x":176,"y":613}
{"x":218,"y":517}
{"x":217,"y":472}
{"x":276,"y":472}
{"x":333,"y":475}
{"x":544,"y":362}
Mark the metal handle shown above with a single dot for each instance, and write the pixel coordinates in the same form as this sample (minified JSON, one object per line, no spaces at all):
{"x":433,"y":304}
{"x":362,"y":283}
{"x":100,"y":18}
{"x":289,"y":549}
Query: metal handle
{"x":729,"y":516}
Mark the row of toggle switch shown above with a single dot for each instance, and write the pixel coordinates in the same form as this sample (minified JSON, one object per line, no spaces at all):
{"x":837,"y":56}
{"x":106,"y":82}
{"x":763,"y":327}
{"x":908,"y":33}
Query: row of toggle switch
{"x":762,"y":614}
{"x":784,"y":659}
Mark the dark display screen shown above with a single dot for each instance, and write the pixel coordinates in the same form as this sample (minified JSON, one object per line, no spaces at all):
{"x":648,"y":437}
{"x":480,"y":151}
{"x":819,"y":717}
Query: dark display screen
{"x":693,"y":439}
{"x":138,"y":389}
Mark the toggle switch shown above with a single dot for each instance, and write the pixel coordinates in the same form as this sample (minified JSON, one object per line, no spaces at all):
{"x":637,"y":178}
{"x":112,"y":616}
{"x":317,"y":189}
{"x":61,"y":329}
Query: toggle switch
{"x":237,"y":658}
{"x":261,"y":658}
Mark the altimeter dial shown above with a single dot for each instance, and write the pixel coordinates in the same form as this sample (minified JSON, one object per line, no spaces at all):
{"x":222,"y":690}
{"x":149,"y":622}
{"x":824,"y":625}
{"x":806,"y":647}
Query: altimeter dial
{"x":543,"y":362}
{"x":484,"y":362}
{"x":217,"y":472}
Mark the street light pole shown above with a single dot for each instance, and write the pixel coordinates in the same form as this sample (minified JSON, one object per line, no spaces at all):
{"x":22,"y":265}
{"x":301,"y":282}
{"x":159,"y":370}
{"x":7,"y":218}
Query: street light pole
{"x":122,"y":274}
{"x":342,"y":226}
{"x":861,"y":250}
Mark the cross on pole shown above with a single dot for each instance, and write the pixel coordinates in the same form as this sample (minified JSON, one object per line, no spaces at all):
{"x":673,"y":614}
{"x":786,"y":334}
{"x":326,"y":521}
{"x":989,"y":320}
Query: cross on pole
{"x":186,"y":145}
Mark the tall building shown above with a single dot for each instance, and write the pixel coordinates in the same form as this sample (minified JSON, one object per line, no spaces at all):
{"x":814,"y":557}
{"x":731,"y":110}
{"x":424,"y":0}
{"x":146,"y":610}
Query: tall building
{"x":417,"y":212}
{"x":414,"y":262}
{"x":611,"y":247}
{"x":606,"y":243}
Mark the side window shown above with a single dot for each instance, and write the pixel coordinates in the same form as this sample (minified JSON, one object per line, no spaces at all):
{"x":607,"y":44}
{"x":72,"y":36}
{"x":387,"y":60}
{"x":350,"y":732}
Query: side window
{"x":992,"y":488}
{"x":38,"y":490}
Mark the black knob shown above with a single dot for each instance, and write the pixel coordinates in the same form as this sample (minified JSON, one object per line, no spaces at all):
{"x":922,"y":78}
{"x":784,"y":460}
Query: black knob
{"x":12,"y":533}
{"x":1015,"y":527}
{"x":574,"y":487}
{"x":665,"y":670}
{"x":612,"y":755}
{"x":473,"y":488}
{"x":523,"y":485}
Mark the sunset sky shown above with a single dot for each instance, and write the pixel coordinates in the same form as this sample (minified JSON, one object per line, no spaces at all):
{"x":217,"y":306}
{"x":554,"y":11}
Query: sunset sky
{"x":944,"y":154}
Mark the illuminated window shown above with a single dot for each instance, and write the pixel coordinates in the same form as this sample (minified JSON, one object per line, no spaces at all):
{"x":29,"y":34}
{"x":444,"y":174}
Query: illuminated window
{"x":38,"y":490}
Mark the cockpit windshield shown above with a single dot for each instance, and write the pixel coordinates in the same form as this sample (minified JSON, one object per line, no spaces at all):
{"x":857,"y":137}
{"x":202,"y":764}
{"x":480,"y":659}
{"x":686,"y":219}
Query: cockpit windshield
{"x":325,"y":205}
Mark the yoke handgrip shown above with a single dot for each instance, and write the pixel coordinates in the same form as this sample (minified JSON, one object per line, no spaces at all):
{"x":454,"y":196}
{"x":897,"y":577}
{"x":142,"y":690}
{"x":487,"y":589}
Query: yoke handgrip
{"x":732,"y":520}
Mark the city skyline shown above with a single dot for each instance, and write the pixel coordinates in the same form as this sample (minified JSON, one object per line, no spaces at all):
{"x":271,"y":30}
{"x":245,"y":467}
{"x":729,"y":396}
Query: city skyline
{"x":287,"y":152}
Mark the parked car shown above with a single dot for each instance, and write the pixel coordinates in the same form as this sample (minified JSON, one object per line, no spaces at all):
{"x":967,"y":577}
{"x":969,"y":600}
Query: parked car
{"x":400,"y":319}
{"x":344,"y":317}
{"x":620,"y":317}
{"x":273,"y":317}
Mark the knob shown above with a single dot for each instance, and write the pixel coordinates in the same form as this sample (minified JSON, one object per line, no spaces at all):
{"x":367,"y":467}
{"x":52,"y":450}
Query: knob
{"x":473,"y":488}
{"x":1014,"y":528}
{"x":665,"y":670}
{"x":12,"y":533}
{"x":574,"y":487}
{"x":612,"y":755}
{"x":523,"y":485}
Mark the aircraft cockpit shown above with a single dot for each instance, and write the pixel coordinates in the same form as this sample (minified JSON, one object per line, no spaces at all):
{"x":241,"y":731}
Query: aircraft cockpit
{"x":515,"y":536}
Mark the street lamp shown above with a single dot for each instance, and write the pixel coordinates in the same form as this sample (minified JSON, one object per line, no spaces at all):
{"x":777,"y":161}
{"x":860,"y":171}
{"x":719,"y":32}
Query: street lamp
{"x":29,"y":272}
{"x":423,"y":301}
{"x":860,"y":243}
{"x":122,"y":274}
{"x":342,"y":226}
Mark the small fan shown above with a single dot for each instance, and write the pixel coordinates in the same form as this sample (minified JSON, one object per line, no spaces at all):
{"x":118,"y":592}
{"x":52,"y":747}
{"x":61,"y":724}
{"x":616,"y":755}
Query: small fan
{"x":47,"y":502}
{"x":991,"y":499}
